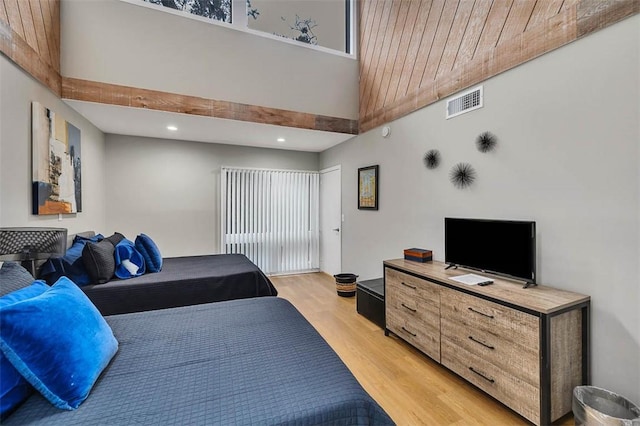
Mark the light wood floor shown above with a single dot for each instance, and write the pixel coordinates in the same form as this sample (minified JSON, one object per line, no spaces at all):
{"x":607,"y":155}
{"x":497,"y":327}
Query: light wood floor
{"x":413,"y":389}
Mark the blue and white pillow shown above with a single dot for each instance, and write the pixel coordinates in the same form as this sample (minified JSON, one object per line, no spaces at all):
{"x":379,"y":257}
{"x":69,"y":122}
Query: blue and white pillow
{"x":129,"y":262}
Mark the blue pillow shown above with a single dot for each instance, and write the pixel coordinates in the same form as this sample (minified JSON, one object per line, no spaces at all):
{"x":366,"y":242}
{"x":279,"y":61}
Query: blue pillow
{"x":94,"y":239}
{"x":70,"y":265}
{"x":14,"y":389}
{"x":149,"y":250}
{"x":36,"y":288}
{"x":129,"y":262}
{"x":59,"y":342}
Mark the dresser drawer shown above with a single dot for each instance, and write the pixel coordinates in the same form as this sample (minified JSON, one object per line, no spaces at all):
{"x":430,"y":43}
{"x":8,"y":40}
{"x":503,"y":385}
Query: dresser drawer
{"x":509,"y":325}
{"x":511,"y":390}
{"x":414,"y":306}
{"x":412,"y":287}
{"x":413,"y":311}
{"x":513,"y":358}
{"x":422,"y":335}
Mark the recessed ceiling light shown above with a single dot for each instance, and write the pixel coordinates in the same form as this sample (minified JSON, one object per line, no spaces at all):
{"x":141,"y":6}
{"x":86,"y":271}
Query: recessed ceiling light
{"x":172,"y":128}
{"x":281,"y":139}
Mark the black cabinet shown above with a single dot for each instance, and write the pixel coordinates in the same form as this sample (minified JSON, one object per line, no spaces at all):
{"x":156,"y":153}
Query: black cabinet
{"x":370,"y":300}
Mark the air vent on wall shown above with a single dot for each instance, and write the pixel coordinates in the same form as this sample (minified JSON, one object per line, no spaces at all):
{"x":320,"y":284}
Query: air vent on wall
{"x":465,"y":102}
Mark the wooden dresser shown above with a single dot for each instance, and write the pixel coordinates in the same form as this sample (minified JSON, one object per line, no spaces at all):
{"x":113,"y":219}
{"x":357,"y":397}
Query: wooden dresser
{"x":528,"y":348}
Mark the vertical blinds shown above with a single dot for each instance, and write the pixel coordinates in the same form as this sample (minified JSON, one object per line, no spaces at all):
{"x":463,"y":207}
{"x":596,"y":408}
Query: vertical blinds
{"x":272,"y":217}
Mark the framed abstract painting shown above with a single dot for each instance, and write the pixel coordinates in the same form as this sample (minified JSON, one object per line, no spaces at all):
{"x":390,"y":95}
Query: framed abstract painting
{"x":56,"y":163}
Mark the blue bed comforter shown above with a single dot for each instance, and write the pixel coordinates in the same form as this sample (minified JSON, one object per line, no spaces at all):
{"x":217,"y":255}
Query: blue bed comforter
{"x":183,"y":281}
{"x":242,"y":362}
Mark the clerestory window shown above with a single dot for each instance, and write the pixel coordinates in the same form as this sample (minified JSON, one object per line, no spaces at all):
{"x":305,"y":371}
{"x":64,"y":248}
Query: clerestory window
{"x":328,"y":24}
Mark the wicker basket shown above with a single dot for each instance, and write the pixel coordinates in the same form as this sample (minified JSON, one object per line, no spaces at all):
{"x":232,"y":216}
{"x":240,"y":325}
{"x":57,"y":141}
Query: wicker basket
{"x":346,"y":284}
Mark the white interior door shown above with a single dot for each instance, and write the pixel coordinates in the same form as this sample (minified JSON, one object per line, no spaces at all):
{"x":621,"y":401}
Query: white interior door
{"x":330,"y":221}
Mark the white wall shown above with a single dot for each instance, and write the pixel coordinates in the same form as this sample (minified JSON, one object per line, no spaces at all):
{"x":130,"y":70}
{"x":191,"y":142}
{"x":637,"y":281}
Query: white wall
{"x":567,"y":157}
{"x":170,"y":190}
{"x":122,"y":43}
{"x":18,"y":90}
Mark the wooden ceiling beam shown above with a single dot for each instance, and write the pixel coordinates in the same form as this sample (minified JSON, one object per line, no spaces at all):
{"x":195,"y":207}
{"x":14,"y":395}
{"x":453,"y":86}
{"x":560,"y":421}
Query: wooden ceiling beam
{"x":113,"y":94}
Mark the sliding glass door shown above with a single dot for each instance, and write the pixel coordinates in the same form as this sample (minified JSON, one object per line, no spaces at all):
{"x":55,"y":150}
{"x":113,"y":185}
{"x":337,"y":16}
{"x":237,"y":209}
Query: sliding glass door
{"x":272,"y":217}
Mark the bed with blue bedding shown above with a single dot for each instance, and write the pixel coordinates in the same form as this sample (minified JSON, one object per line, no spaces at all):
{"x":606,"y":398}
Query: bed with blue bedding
{"x":183,"y":281}
{"x":247,"y":362}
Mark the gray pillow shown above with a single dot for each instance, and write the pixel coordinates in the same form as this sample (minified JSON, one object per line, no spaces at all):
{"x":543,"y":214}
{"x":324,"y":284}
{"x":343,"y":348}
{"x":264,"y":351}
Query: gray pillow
{"x":13,"y":277}
{"x":99,"y":261}
{"x":115,"y":238}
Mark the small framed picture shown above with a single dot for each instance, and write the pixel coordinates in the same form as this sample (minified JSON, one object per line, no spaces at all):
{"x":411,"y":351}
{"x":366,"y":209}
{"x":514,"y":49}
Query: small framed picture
{"x":368,"y":188}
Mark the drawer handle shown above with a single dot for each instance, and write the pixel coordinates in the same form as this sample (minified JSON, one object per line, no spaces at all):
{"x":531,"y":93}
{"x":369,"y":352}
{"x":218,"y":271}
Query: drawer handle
{"x":414,"y":335}
{"x":481,"y":343}
{"x":407,"y":285}
{"x":481,"y":313}
{"x":406,"y":307}
{"x":482,"y":375}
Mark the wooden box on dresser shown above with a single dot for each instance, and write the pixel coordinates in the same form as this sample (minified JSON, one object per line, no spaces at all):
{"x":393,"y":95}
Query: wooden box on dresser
{"x":528,"y":348}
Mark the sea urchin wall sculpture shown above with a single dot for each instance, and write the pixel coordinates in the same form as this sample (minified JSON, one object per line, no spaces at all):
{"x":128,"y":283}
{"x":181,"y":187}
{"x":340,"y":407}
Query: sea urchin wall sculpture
{"x":462,"y":175}
{"x":432,"y":159}
{"x":486,"y":142}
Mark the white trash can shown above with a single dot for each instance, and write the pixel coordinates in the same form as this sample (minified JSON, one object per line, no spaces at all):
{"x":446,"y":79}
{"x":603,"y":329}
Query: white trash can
{"x":594,"y":406}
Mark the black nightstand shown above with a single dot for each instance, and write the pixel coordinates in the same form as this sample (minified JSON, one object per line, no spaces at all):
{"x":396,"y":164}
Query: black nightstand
{"x":370,"y":300}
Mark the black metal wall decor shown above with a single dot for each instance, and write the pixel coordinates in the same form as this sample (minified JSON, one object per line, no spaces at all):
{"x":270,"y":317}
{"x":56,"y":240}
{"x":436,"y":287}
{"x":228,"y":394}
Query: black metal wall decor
{"x":432,"y":159}
{"x":486,"y":142}
{"x":462,"y":175}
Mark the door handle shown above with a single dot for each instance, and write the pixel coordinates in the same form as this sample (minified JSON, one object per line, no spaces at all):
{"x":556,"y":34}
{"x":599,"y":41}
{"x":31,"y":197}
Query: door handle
{"x":336,"y":229}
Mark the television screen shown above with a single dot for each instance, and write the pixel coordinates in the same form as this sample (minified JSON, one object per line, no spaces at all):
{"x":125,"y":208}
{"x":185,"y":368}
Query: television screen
{"x":498,"y":246}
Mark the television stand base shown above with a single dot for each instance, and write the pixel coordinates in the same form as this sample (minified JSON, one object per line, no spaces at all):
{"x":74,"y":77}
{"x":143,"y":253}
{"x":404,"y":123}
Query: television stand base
{"x":529,"y":284}
{"x":451,"y":265}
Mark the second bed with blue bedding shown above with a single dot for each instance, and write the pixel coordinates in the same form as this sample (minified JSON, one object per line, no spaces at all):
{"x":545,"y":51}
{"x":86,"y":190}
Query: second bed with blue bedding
{"x":242,"y":362}
{"x":183,"y":281}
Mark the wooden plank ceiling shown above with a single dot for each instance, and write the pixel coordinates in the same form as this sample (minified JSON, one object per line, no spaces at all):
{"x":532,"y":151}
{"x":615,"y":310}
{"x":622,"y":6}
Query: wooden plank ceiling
{"x":415,"y":52}
{"x":30,"y":36}
{"x":38,"y":23}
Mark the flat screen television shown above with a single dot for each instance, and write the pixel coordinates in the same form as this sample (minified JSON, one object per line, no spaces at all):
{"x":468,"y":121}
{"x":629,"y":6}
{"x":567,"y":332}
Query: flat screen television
{"x":503,"y":247}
